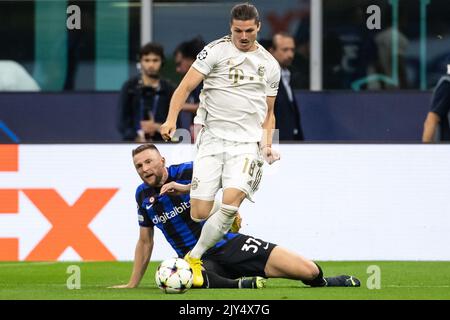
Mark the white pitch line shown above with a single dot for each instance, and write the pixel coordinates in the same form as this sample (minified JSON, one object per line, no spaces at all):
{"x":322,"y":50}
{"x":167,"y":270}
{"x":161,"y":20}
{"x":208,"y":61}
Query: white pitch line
{"x":25,"y":264}
{"x":395,"y":286}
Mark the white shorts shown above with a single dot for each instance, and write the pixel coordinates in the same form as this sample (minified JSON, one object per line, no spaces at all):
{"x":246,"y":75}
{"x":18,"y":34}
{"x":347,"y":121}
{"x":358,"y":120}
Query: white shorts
{"x":225,"y":164}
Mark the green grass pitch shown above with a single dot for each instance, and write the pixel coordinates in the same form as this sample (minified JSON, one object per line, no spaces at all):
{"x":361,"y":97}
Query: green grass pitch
{"x":46,"y":280}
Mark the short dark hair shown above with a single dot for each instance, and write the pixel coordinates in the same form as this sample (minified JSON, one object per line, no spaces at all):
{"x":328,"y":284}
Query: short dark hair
{"x":282,"y":34}
{"x":152,"y":47}
{"x":190,"y":48}
{"x":143,"y":147}
{"x":243,"y":12}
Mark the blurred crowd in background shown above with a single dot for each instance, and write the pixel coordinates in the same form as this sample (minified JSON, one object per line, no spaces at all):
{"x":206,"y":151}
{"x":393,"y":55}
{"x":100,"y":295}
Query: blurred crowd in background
{"x":409,"y":52}
{"x":102,"y":54}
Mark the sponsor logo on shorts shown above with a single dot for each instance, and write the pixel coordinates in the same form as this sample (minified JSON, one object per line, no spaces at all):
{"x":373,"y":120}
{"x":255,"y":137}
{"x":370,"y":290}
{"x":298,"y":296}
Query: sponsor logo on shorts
{"x":171,"y":214}
{"x":141,"y":218}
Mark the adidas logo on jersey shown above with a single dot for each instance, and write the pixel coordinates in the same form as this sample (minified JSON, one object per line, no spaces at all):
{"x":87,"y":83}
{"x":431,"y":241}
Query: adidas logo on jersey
{"x":171,"y":214}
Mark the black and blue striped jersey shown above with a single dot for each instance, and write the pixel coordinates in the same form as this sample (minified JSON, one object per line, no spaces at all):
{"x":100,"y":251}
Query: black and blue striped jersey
{"x":171,"y":214}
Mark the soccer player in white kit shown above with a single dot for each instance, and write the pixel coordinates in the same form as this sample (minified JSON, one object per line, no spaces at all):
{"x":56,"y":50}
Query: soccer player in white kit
{"x":240,"y":83}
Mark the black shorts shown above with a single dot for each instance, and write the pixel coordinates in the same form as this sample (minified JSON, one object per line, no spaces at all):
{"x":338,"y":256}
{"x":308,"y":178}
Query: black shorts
{"x":242,"y":256}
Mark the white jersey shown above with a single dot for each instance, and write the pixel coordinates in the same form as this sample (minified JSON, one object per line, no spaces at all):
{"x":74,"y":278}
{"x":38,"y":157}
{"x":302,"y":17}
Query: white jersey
{"x":233,"y":100}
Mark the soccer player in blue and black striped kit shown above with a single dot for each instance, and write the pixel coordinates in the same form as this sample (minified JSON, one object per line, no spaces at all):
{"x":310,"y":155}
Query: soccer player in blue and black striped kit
{"x":236,"y":261}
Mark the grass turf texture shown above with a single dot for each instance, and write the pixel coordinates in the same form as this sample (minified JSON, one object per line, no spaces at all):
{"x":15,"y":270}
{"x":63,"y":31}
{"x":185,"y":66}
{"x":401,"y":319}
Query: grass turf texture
{"x":399,"y":280}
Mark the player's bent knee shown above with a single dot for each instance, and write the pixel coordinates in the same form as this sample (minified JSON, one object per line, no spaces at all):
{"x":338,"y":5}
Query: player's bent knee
{"x":200,"y":209}
{"x":198,"y":215}
{"x":233,"y":197}
{"x":195,"y":219}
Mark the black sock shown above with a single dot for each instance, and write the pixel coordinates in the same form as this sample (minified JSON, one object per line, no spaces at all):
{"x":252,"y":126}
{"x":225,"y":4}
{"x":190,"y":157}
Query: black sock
{"x":335,"y":282}
{"x":213,"y":280}
{"x":318,"y":281}
{"x":343,"y":281}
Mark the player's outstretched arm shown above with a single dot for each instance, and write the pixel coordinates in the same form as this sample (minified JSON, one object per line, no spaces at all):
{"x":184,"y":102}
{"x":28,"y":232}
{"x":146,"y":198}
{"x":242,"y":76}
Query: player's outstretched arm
{"x":190,"y":81}
{"x":175,"y":189}
{"x":268,"y":153}
{"x":142,"y":254}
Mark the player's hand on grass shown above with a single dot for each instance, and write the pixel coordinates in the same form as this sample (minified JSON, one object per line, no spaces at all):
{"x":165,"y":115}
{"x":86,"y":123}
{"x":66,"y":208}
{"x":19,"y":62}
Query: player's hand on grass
{"x":174,"y":189}
{"x":167,"y":130}
{"x":269,"y":154}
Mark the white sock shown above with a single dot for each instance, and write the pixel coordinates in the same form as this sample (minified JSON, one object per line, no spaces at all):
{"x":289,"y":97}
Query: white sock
{"x":215,"y":208}
{"x":214,"y":229}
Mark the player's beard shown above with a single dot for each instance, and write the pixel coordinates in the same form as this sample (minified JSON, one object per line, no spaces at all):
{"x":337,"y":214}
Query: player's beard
{"x":286,"y":63}
{"x":158,"y":177}
{"x":156,"y":180}
{"x":152,"y":74}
